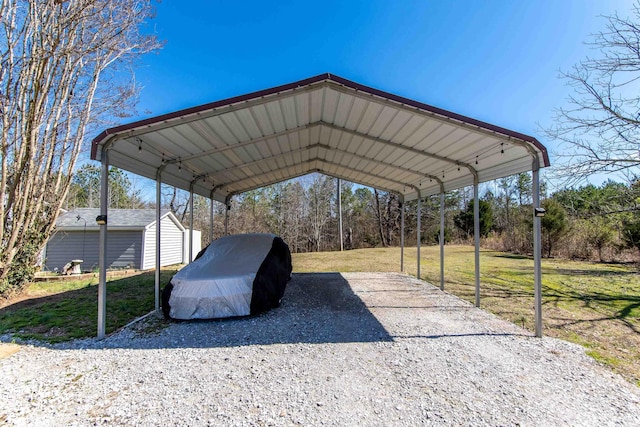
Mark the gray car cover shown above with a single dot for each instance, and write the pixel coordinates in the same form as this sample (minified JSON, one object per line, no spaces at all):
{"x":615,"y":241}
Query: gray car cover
{"x":236,"y":275}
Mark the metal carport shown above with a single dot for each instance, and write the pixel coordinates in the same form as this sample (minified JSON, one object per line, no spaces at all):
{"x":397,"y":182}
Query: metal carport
{"x":322,"y":124}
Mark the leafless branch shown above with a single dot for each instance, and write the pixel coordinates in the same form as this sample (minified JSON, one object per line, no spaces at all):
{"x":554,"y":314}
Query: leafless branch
{"x":599,"y":131}
{"x":63,"y":69}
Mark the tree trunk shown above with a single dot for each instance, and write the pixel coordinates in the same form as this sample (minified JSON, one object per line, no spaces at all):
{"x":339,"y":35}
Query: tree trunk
{"x":379,"y":217}
{"x":388,"y":221}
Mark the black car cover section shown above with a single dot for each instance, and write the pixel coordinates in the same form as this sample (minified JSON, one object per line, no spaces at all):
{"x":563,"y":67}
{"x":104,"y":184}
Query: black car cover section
{"x":272,"y":278}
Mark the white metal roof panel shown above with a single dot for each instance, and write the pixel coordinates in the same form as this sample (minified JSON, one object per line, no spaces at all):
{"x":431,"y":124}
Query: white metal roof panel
{"x":326,"y":124}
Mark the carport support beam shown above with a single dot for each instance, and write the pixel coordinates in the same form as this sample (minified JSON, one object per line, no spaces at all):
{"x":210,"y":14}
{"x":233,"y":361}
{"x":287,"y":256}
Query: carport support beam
{"x":211,"y":218}
{"x":102,"y":262}
{"x":476,"y":236}
{"x":418,"y":232}
{"x":339,"y":202}
{"x":402,"y":237}
{"x":442,"y":240}
{"x":537,"y":249}
{"x":227,"y":208}
{"x":191,"y":222}
{"x":157,"y":275}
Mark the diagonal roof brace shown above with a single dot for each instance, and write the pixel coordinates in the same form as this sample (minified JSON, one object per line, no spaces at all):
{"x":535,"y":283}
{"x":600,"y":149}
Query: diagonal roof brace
{"x":432,"y":113}
{"x":243,"y":143}
{"x":330,"y":149}
{"x":310,"y":162}
{"x":202,"y":112}
{"x":402,"y":147}
{"x":334,"y":175}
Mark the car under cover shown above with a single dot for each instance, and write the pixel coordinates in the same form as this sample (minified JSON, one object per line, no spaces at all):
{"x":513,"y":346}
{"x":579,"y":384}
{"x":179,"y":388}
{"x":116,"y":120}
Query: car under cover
{"x":236,"y":275}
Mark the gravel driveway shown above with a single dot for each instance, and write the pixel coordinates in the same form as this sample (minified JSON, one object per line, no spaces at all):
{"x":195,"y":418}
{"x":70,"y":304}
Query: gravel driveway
{"x":343,"y":349}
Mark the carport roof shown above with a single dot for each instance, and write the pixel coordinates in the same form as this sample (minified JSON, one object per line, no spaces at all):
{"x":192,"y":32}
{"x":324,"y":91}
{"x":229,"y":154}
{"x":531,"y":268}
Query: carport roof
{"x":323,"y":124}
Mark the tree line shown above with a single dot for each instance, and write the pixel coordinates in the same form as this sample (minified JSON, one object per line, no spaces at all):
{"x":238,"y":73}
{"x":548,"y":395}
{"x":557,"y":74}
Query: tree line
{"x":590,"y":222}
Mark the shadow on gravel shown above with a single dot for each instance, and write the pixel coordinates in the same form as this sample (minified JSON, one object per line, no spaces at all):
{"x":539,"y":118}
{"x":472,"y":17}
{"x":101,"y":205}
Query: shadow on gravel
{"x":316,"y":308}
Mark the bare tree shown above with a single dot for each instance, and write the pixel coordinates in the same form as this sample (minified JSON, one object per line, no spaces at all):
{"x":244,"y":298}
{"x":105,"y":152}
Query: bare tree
{"x":387,"y":213}
{"x":380,"y":218}
{"x":84,"y":190}
{"x":294,"y":217}
{"x":319,"y":195}
{"x":65,"y":67}
{"x":600,"y":130}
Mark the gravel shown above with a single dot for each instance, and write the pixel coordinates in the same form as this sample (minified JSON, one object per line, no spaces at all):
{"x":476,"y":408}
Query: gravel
{"x":343,"y":349}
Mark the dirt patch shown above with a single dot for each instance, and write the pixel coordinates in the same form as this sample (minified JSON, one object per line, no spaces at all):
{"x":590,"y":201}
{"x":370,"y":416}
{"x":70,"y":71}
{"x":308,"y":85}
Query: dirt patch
{"x":7,"y":350}
{"x":27,"y":299}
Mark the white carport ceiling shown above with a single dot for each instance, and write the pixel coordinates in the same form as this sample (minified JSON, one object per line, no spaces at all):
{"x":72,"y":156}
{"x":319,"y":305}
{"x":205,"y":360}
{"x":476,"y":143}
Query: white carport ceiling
{"x":322,"y":124}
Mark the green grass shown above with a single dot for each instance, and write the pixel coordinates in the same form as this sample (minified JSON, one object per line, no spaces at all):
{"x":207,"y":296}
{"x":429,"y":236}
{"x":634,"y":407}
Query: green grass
{"x":63,"y":310}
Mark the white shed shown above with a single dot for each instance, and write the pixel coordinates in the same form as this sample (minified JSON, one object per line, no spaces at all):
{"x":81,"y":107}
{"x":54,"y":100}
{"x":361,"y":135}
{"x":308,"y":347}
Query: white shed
{"x":131,"y":243}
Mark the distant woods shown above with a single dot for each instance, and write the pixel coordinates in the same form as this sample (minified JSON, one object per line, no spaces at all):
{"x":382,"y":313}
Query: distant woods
{"x":599,"y":223}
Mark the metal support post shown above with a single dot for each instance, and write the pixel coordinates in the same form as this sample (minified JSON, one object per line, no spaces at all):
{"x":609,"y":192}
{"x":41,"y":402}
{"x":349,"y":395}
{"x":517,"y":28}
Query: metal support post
{"x":211,"y":218}
{"x":402,"y":237}
{"x":191,"y":221}
{"x":227,"y":204}
{"x":339,"y":197}
{"x":537,"y":249}
{"x":476,"y":236}
{"x":158,"y":201}
{"x":102,"y":262}
{"x":418,"y":231}
{"x":442,"y":240}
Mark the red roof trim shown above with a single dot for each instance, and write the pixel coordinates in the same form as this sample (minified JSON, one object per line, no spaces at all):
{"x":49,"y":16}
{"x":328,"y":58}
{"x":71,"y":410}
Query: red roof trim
{"x":306,"y":82}
{"x":442,"y":112}
{"x":193,"y":110}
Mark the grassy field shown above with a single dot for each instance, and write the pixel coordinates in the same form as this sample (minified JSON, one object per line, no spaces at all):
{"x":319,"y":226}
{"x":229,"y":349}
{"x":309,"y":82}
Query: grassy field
{"x":63,"y":310}
{"x":593,"y":304}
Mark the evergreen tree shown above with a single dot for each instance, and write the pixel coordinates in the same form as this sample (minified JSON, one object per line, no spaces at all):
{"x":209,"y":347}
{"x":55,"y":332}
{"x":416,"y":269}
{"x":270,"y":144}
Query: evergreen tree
{"x":554,"y":222}
{"x":464,"y":220}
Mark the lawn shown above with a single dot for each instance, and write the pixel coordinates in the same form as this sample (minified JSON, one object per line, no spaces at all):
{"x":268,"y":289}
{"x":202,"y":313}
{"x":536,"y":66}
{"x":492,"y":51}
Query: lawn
{"x":62,"y":310}
{"x":593,"y":304}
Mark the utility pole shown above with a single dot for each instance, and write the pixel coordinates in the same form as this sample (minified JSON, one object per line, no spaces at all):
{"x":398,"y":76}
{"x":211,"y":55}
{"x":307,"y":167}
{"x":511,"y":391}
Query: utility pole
{"x":340,"y":215}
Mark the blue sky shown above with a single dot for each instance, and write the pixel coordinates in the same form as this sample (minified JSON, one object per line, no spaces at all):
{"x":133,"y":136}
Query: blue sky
{"x":497,"y":61}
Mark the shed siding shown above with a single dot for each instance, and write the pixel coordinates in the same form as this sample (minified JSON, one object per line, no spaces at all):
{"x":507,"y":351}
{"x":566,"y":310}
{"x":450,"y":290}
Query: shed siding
{"x":124,"y":249}
{"x":171,"y":242}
